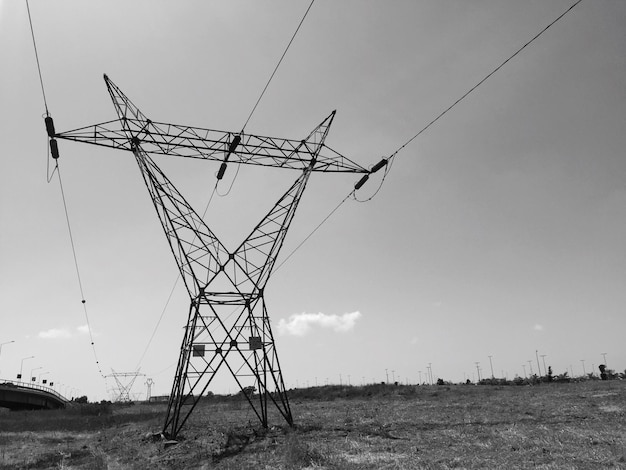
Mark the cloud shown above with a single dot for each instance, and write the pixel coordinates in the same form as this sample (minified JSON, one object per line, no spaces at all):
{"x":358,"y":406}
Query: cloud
{"x":299,"y":324}
{"x":538,"y":327}
{"x":83,"y":329}
{"x":55,"y":333}
{"x":63,"y":333}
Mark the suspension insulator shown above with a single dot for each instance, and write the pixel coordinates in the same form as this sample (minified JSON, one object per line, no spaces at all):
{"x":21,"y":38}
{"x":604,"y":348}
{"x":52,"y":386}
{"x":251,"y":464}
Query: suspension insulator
{"x":220,"y":173}
{"x":50,"y":126}
{"x":361,"y":182}
{"x":233,"y":145}
{"x":54,"y":148}
{"x":379,"y":165}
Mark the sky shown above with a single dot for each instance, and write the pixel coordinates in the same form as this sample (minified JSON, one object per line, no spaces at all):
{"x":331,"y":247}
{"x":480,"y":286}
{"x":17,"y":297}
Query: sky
{"x":497,"y":237}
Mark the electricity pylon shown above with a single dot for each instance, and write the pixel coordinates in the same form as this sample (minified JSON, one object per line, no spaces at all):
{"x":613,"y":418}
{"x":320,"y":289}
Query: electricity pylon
{"x":228,"y":325}
{"x":124,"y":386}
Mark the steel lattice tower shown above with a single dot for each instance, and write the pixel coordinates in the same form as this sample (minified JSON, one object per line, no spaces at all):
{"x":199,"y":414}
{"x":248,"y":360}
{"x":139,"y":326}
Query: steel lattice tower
{"x":228,"y":325}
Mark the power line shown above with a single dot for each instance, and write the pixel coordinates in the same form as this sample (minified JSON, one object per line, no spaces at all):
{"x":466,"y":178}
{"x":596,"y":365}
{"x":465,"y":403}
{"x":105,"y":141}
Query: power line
{"x":169,"y":298}
{"x":278,"y":65}
{"x":51,"y":135}
{"x":449,"y":108}
{"x":314,"y":230}
{"x":483,"y":80}
{"x":32,"y":32}
{"x":80,"y":283}
{"x":236,"y":174}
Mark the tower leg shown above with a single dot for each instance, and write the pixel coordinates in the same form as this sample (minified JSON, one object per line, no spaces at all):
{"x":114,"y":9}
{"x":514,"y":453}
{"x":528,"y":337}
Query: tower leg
{"x":240,"y":340}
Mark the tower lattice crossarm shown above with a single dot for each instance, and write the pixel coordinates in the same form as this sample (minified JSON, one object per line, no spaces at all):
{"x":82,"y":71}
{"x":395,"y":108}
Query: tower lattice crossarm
{"x":159,"y":138}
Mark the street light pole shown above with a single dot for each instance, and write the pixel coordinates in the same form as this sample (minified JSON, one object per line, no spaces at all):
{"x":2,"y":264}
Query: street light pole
{"x":22,"y":365}
{"x":31,"y":373}
{"x":2,"y":344}
{"x":9,"y":342}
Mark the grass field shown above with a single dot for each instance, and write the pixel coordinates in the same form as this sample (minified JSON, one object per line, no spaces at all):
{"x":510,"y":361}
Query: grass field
{"x":549,"y":426}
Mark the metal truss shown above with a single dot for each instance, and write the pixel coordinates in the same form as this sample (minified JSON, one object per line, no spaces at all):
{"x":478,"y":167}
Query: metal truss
{"x":158,"y":138}
{"x":123,"y":387}
{"x":228,"y":325}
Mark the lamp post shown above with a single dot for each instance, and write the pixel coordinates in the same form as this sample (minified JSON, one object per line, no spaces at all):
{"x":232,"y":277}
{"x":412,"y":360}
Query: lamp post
{"x":43,"y":373}
{"x":9,"y":342}
{"x":2,"y":344}
{"x":31,"y":373}
{"x":22,"y":366}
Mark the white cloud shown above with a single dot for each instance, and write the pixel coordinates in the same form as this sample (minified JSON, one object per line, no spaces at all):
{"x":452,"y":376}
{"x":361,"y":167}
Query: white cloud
{"x":83,"y":329}
{"x":300,"y":324}
{"x":63,"y":333}
{"x":538,"y":327}
{"x":55,"y":333}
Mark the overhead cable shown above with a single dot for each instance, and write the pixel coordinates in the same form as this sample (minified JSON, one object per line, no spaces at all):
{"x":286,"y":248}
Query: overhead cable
{"x":277,"y":65}
{"x":444,"y":112}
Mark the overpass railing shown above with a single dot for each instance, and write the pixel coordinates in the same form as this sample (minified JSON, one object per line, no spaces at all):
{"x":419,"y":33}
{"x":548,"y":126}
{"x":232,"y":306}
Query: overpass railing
{"x":32,"y":386}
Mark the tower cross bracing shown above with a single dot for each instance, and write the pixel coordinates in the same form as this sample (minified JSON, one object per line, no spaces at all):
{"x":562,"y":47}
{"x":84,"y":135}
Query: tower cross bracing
{"x":228,"y":326}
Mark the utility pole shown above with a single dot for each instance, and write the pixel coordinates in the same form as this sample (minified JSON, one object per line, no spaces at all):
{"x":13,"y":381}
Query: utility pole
{"x":545,"y":369}
{"x":530,"y":365}
{"x":491,"y":365}
{"x":584,"y":371}
{"x":524,"y":366}
{"x":604,"y":356}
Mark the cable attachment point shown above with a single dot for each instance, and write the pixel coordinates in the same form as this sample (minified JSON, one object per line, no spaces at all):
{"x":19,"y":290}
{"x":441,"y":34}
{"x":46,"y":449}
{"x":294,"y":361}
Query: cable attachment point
{"x":382,"y":163}
{"x":54,"y":146}
{"x":54,"y":149}
{"x":231,"y":149}
{"x":361,"y":182}
{"x":50,"y":126}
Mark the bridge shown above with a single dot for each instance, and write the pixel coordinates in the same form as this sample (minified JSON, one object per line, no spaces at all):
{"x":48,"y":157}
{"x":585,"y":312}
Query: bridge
{"x":24,"y":396}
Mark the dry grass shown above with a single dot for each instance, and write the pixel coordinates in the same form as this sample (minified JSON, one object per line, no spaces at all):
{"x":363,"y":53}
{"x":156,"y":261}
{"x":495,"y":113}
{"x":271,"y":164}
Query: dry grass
{"x":555,"y":426}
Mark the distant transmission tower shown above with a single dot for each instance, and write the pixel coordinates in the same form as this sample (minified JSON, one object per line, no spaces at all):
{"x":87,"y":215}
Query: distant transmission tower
{"x":228,"y":325}
{"x":124,"y":382}
{"x":149,"y":384}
